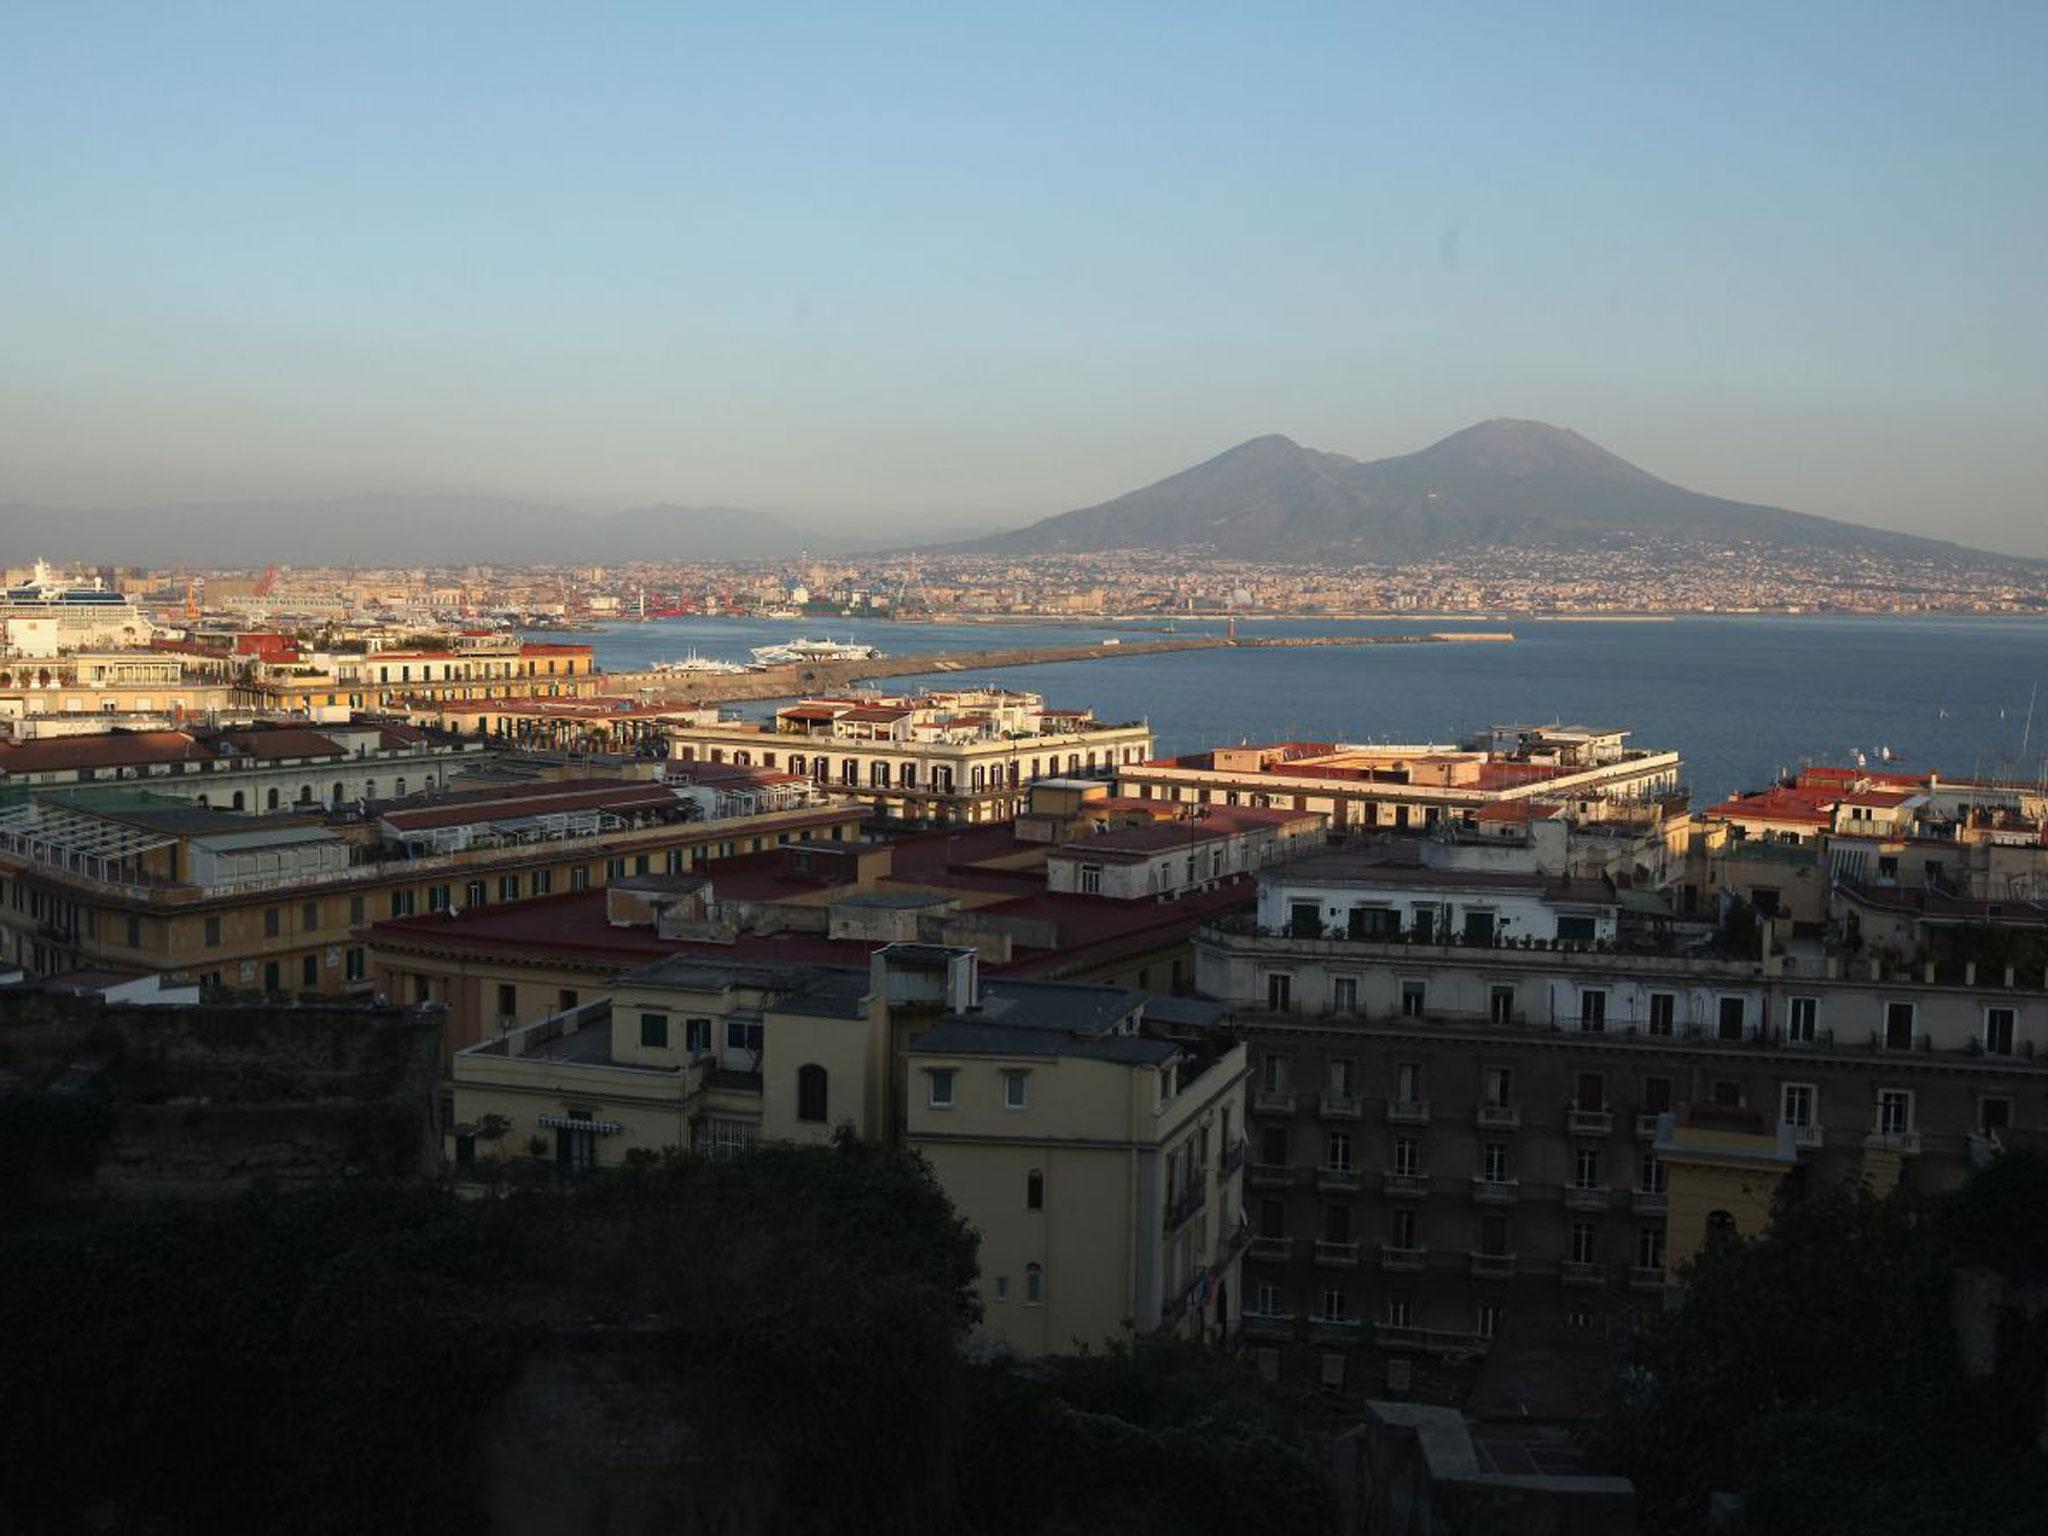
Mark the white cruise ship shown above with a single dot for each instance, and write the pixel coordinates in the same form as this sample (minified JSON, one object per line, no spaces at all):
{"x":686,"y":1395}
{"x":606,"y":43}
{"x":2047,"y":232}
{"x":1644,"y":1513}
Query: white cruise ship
{"x":814,"y":650}
{"x":87,"y":612}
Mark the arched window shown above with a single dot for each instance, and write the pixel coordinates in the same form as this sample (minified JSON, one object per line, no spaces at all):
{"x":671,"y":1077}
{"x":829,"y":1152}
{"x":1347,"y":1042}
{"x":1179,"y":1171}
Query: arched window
{"x":340,"y":792}
{"x":1034,"y":1285}
{"x":811,"y":1093}
{"x":270,"y":800}
{"x":400,"y":790}
{"x":797,"y":763}
{"x":1720,"y":1226}
{"x":1034,"y":1191}
{"x":238,"y":800}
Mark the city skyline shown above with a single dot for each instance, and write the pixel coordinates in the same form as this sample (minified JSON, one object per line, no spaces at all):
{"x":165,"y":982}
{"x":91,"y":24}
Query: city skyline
{"x":726,"y":261}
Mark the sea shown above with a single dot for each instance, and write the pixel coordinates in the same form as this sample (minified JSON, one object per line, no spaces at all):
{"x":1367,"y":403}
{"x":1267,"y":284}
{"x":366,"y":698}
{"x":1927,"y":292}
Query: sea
{"x":1744,"y":698}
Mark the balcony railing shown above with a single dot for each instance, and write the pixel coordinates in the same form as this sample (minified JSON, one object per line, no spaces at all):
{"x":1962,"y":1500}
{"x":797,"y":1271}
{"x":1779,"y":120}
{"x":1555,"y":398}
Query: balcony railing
{"x":1271,"y":1176}
{"x":1338,"y":1255}
{"x":1575,"y":1272}
{"x":1427,"y":1340}
{"x":1492,"y":1266}
{"x":1403,"y":1260}
{"x":1406,"y":1185}
{"x":1267,"y":1322}
{"x":1642,"y":1279}
{"x":1338,"y":1181}
{"x":1273,"y":1101}
{"x":1407,"y":1111}
{"x":1808,"y":1136}
{"x":1337,"y":1324}
{"x":1182,"y":1207}
{"x":1487,"y":1191}
{"x":1340,"y":1106}
{"x":1647,"y":1202}
{"x":1499,"y":1117}
{"x":1587,"y":1197}
{"x":1646,"y":1127}
{"x":1589,"y":1122}
{"x":1905,"y":1143}
{"x":1271,"y":1250}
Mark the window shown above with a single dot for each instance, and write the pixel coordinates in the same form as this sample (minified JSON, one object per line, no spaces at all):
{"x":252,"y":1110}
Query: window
{"x":1898,"y":1026}
{"x":1013,"y":1088}
{"x":1592,"y":1092}
{"x":309,"y":916}
{"x":1002,"y":1287}
{"x":508,"y":1000}
{"x":654,"y":1031}
{"x":402,"y":904}
{"x":1585,"y":1243}
{"x":1273,"y":1147}
{"x":743,"y":1035}
{"x":1343,"y":1077}
{"x":355,"y":909}
{"x":1336,"y":1223}
{"x":1335,"y":1305}
{"x":1493,"y":1162}
{"x":213,"y":933}
{"x":1795,"y":1104}
{"x":1034,"y":1285}
{"x":697,"y":1036}
{"x":1726,"y":1093}
{"x":1586,"y":1168}
{"x":1272,"y":1073}
{"x":1407,"y":1156}
{"x":1500,"y":1005}
{"x":356,"y":961}
{"x":543,"y":881}
{"x":1400,"y":1312}
{"x":1279,"y":992}
{"x":1499,"y":1087}
{"x":508,"y":887}
{"x":1344,"y":994}
{"x":1998,"y":1031}
{"x":1034,"y":1191}
{"x":273,"y":976}
{"x":1401,"y":1227}
{"x":615,"y":869}
{"x":1493,"y":1236}
{"x":1656,"y":1095}
{"x":1720,"y":1227}
{"x":1993,"y":1116}
{"x":1894,"y":1111}
{"x":473,"y":893}
{"x":939,"y":1084}
{"x":1337,"y":1152}
{"x":1414,"y":998}
{"x":1663,"y":1012}
{"x":1272,"y":1218}
{"x":1652,"y":1174}
{"x":437,"y":898}
{"x":1802,"y":1020}
{"x":1305,"y":919}
{"x":565,"y":999}
{"x":1728,"y":1020}
{"x":579,"y":877}
{"x":1593,"y":1010}
{"x":1271,"y":1302}
{"x":575,"y":1148}
{"x":309,"y":972}
{"x":273,"y":922}
{"x":1649,"y":1248}
{"x":811,"y":1085}
{"x":1408,"y":1083}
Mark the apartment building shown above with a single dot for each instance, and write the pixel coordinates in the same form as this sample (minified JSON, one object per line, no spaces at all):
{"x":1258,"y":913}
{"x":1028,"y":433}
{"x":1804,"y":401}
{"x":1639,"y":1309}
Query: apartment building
{"x":1583,"y":774}
{"x":125,"y":878}
{"x":1524,"y":1103}
{"x":80,"y":689}
{"x":316,"y":684}
{"x":940,"y":758}
{"x":1091,"y":1135}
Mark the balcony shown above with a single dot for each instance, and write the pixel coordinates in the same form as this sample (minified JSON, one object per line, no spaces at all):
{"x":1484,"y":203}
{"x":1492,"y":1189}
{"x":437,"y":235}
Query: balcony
{"x":1426,"y":1340}
{"x":1646,"y":1127}
{"x":1641,"y":1279}
{"x":1271,"y":1250}
{"x":1587,"y":1197}
{"x":1647,"y":1202}
{"x":1589,"y":1122}
{"x":1231,"y":1160}
{"x":1339,"y":1106}
{"x":1807,"y":1137}
{"x":1337,"y":1325}
{"x":1336,"y":1255}
{"x":1338,"y":1181}
{"x":1905,"y":1143}
{"x":1493,"y":1266}
{"x":1271,"y":1176}
{"x":1499,"y":1117}
{"x":1269,"y":1324}
{"x":1496,"y":1191}
{"x":1407,"y":1261}
{"x":1407,"y":1111}
{"x":1573,"y":1272}
{"x":1406,"y":1186}
{"x":1273,"y":1101}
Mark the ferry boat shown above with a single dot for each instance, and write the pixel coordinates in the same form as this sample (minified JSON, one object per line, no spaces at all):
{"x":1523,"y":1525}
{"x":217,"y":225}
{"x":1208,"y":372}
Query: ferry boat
{"x":702,"y":664}
{"x":814,"y":650}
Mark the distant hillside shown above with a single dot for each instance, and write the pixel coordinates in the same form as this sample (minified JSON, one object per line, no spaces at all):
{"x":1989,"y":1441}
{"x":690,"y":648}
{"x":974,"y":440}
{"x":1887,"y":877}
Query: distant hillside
{"x":390,"y":530}
{"x":1511,"y":483}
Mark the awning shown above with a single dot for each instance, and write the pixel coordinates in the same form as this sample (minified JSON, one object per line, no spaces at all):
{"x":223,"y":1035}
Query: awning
{"x":578,"y":1123}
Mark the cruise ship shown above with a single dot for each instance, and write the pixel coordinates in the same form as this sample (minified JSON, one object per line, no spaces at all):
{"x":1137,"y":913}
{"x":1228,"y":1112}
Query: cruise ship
{"x":87,"y":612}
{"x":703,"y":665}
{"x":814,"y":650}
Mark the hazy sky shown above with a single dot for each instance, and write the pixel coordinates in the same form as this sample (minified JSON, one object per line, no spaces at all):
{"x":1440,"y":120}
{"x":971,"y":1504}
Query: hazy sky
{"x":951,"y":263}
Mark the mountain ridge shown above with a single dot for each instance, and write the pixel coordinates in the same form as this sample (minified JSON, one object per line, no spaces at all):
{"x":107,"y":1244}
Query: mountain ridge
{"x":1504,"y":481}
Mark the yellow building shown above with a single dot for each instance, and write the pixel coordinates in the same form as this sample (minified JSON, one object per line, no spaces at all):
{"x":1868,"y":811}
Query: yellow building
{"x":1722,"y":1169}
{"x":1092,"y":1135}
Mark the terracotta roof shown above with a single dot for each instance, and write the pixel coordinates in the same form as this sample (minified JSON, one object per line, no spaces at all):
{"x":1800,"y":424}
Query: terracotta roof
{"x":282,"y":743}
{"x":534,"y":800}
{"x":114,"y":749}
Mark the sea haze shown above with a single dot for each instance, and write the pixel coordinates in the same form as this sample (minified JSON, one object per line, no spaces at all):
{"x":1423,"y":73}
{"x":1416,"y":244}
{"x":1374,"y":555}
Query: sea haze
{"x":1740,"y":697}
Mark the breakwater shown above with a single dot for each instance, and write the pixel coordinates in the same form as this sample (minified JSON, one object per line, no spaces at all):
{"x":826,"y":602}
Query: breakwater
{"x":827,"y":676}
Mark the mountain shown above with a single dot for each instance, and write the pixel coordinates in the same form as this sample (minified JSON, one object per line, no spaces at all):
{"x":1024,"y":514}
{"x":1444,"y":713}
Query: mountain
{"x":390,"y":531}
{"x":1504,"y":482}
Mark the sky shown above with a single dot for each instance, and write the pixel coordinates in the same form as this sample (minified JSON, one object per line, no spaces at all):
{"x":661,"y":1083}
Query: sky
{"x":931,"y":266}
